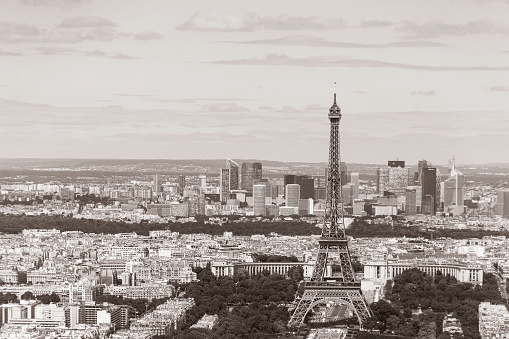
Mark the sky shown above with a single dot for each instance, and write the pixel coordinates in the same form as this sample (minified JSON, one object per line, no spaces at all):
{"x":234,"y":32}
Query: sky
{"x":167,"y":79}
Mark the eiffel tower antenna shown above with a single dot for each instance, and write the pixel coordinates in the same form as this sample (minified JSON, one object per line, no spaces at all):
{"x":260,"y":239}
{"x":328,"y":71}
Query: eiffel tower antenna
{"x":325,"y":286}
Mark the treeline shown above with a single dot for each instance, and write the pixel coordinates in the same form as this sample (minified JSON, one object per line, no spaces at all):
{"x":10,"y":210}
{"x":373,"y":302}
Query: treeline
{"x":246,"y":306}
{"x":260,"y":257}
{"x":361,"y":229}
{"x":14,"y":224}
{"x":435,"y":296}
{"x":137,"y":306}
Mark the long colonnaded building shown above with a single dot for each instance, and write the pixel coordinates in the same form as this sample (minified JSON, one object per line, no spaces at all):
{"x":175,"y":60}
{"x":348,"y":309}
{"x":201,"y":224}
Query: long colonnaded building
{"x":387,"y":270}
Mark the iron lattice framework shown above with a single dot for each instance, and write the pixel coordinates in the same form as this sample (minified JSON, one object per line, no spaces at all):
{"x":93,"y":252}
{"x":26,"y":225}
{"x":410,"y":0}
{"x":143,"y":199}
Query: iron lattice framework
{"x":327,"y":287}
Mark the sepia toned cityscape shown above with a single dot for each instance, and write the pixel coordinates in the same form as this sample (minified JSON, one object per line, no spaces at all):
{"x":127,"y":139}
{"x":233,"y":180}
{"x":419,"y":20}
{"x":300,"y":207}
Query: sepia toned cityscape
{"x":205,"y":170}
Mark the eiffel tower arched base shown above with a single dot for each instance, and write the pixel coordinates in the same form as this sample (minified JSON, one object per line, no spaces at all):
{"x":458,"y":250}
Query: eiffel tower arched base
{"x":316,"y":293}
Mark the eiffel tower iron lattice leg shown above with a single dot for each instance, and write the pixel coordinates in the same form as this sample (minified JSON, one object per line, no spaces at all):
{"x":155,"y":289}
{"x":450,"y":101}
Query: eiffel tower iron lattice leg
{"x":351,"y":297}
{"x":325,"y":286}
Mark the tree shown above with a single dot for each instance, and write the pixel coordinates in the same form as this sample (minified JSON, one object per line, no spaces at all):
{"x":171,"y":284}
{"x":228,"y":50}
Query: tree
{"x":28,"y":296}
{"x":428,"y":330}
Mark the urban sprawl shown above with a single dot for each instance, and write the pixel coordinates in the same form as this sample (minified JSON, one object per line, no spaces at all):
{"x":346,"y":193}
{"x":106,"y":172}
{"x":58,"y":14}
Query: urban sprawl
{"x":75,"y":284}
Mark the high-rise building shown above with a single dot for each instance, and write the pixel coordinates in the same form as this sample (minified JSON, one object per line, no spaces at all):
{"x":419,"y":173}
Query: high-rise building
{"x":203,"y":181}
{"x":257,"y":170}
{"x":259,"y":194}
{"x":292,"y":195}
{"x":307,"y":188}
{"x":182,"y":184}
{"x":353,"y":178}
{"x":289,"y":179}
{"x":305,"y":206}
{"x":157,"y":187}
{"x":249,"y":173}
{"x":430,"y":187}
{"x":502,"y":206}
{"x":344,"y":171}
{"x":392,"y":179}
{"x":229,"y":179}
{"x":396,"y":163}
{"x":411,"y":201}
{"x":422,"y":164}
{"x":454,"y":190}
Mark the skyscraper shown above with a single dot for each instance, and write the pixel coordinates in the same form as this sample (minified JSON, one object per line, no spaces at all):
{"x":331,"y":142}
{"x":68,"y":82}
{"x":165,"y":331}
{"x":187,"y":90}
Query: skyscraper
{"x":454,"y":190}
{"x":259,"y":195}
{"x":203,"y":181}
{"x":292,"y":195}
{"x":392,"y":179}
{"x":502,"y":206}
{"x":354,"y":181}
{"x":344,"y":170}
{"x":307,"y":188}
{"x":156,"y":188}
{"x":182,"y":184}
{"x":249,"y":173}
{"x":430,"y":187}
{"x":229,"y":179}
{"x":422,"y":164}
{"x":257,"y":170}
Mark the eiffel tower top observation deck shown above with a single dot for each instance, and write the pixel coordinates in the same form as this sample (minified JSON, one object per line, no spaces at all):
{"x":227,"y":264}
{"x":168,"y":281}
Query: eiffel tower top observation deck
{"x":333,"y":226}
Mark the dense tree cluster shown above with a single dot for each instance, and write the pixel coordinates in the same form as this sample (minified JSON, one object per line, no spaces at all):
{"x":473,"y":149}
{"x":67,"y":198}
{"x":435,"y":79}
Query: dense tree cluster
{"x":360,"y":228}
{"x":14,"y":224}
{"x":137,"y":306}
{"x":435,"y":296}
{"x":247,"y":306}
{"x":260,"y":257}
{"x":8,"y":298}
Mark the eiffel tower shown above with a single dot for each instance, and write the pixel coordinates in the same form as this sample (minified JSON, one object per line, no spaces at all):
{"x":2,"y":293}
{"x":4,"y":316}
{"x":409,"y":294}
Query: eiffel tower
{"x":332,"y":247}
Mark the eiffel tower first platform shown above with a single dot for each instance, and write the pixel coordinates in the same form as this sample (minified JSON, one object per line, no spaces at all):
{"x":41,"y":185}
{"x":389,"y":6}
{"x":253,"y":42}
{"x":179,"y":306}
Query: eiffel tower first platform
{"x":326,"y":286}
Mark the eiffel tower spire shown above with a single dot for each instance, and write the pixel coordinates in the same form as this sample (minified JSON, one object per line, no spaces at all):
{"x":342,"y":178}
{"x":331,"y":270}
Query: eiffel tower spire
{"x":338,"y":287}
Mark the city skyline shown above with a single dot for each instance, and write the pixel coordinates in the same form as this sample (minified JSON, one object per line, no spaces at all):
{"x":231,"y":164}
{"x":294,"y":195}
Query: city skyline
{"x":161,"y":80}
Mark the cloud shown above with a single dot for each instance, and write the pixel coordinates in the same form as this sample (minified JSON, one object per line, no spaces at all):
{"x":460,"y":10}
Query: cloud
{"x":338,"y":61}
{"x":75,"y":52}
{"x":298,"y":40}
{"x":266,"y":108}
{"x":103,"y":54}
{"x":315,"y":107}
{"x":499,"y":89}
{"x":89,"y":29}
{"x":87,"y":21}
{"x":436,"y":29}
{"x":224,"y":107}
{"x":148,"y":36}
{"x":10,"y":53}
{"x":375,"y":23}
{"x":51,"y":3}
{"x":250,"y":21}
{"x":15,"y":32}
{"x":429,"y":93}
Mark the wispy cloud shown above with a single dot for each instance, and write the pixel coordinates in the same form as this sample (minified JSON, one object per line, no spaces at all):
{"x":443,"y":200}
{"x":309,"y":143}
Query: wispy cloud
{"x":75,"y":30}
{"x":103,"y":54}
{"x":299,"y":40}
{"x":75,"y":52}
{"x":147,"y":36}
{"x":223,"y":107}
{"x":315,"y":107}
{"x":10,"y":53}
{"x":499,"y":89}
{"x":338,"y":61}
{"x":59,"y":3}
{"x":429,"y":93}
{"x":86,"y":21}
{"x":375,"y":23}
{"x":19,"y":32}
{"x":436,"y":29}
{"x":250,"y":21}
